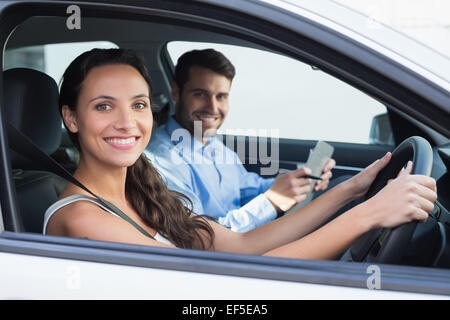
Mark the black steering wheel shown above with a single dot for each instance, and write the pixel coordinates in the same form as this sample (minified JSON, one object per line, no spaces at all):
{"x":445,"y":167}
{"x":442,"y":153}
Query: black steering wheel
{"x":387,"y":245}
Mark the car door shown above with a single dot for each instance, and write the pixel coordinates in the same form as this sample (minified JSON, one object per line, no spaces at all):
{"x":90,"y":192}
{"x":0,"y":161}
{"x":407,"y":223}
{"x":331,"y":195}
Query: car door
{"x":58,"y":267}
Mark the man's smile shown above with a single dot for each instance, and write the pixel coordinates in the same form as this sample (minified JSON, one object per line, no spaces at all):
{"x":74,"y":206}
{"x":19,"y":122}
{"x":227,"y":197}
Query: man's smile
{"x":206,"y":118}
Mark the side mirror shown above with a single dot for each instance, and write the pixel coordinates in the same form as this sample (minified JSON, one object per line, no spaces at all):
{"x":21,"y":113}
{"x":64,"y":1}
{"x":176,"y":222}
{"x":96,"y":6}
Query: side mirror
{"x":381,"y":131}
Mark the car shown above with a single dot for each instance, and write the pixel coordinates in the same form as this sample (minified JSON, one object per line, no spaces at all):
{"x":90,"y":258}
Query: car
{"x":306,"y":71}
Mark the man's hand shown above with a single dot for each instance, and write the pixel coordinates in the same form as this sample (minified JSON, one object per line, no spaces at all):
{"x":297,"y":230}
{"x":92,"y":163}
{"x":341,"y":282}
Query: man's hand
{"x":288,"y":189}
{"x":291,"y":188}
{"x":326,"y":176}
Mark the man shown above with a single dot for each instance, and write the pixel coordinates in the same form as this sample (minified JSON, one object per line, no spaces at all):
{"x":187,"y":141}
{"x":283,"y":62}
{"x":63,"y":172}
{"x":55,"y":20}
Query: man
{"x":194,"y":162}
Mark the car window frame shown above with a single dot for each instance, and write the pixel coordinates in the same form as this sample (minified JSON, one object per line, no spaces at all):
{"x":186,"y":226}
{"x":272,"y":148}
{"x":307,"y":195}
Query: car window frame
{"x":22,"y":243}
{"x":169,"y":70}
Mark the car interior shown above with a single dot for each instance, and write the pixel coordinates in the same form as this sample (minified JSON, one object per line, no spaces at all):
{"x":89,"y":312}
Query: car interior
{"x":35,"y":115}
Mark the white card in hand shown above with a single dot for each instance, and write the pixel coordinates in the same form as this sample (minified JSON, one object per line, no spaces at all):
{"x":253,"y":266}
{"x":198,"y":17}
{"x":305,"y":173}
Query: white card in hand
{"x":316,"y":162}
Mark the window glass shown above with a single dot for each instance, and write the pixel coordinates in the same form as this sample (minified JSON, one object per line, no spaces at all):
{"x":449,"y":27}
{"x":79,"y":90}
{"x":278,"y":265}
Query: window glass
{"x":51,"y":59}
{"x":274,"y":95}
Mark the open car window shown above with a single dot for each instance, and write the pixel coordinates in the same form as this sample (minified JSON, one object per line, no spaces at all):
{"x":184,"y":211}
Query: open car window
{"x":277,"y":96}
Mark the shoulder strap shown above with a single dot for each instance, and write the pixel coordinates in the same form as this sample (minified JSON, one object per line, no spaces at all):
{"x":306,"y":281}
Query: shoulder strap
{"x":25,"y":147}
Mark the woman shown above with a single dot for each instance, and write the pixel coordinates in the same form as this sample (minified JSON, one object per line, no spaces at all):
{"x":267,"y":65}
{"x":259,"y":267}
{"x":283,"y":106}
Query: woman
{"x":105,"y":105}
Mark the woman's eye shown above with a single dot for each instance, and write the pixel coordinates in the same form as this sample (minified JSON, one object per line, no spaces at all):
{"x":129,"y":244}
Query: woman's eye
{"x":140,"y":105}
{"x":103,"y":107}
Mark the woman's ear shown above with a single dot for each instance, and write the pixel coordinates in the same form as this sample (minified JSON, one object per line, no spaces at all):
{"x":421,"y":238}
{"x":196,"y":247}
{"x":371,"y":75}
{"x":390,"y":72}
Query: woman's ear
{"x":69,"y":119}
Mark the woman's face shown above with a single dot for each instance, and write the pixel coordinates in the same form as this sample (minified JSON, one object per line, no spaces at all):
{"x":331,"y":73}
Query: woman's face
{"x":113,"y":118}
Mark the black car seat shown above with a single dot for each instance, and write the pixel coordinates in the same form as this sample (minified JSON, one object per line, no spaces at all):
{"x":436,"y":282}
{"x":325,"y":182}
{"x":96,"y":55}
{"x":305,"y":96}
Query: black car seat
{"x":31,"y":105}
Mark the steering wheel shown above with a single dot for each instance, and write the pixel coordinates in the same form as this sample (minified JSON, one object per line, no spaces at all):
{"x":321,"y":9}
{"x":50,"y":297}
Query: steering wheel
{"x":387,"y":245}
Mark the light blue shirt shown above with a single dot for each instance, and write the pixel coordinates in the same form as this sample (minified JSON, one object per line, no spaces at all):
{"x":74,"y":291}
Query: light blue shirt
{"x":212,"y":176}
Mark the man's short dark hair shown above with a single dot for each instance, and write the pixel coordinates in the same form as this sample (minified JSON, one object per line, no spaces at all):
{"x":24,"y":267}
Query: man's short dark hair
{"x":208,"y":58}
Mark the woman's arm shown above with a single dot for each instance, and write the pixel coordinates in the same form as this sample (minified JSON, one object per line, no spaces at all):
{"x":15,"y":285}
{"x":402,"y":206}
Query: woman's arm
{"x":303,"y":221}
{"x":285,"y":229}
{"x":408,"y":197}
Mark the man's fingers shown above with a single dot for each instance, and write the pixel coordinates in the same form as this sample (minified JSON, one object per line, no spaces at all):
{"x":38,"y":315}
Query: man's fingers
{"x":302,"y":190}
{"x":329,"y":165}
{"x":326,"y":176}
{"x":322,"y":185}
{"x":300,"y":198}
{"x":302,"y":182}
{"x":300,"y":172}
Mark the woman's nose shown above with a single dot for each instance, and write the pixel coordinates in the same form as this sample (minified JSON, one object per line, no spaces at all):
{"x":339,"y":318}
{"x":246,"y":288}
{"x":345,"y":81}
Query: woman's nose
{"x":125,"y":118}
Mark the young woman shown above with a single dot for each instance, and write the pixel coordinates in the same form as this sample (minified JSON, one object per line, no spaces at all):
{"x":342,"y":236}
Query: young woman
{"x":105,"y":105}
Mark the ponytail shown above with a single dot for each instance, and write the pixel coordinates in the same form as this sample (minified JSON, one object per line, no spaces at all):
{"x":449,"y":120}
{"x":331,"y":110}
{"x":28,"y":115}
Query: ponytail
{"x":163,"y":209}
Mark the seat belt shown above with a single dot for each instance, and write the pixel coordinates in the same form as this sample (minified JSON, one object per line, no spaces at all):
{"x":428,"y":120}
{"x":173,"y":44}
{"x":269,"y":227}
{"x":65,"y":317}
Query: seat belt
{"x":21,"y":144}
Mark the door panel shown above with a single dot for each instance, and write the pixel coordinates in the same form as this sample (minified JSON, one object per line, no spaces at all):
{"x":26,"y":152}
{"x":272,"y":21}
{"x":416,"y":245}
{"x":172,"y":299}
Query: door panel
{"x":288,"y":153}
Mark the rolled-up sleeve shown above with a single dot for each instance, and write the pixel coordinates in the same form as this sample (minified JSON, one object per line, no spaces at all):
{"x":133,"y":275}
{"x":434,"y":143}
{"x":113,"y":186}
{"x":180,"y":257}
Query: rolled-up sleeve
{"x":255,"y":213}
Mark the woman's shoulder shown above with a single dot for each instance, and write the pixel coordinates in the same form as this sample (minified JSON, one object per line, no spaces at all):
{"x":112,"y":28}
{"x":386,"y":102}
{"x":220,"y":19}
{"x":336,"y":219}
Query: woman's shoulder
{"x":71,"y":201}
{"x":87,"y":219}
{"x":70,"y":208}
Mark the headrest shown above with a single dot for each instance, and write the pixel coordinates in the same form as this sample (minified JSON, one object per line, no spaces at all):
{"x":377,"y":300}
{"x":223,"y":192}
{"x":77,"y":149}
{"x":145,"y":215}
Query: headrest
{"x":31,"y":105}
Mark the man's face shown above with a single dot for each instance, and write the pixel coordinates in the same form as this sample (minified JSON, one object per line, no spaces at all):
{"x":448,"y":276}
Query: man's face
{"x":203,"y":99}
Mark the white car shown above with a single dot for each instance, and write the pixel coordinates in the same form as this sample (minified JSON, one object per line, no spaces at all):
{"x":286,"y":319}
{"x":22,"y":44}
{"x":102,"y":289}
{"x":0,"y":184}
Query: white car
{"x":302,"y":66}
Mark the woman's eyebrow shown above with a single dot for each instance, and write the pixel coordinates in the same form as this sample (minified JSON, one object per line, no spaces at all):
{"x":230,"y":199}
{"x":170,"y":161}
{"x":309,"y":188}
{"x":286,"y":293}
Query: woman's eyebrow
{"x":102,"y":97}
{"x":142,"y":95}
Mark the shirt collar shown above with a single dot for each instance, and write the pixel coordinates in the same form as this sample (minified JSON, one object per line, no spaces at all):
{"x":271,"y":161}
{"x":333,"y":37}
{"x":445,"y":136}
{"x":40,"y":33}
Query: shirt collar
{"x":172,"y":125}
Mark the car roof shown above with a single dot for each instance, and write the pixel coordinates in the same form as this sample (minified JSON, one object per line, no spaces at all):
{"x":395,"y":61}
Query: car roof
{"x":352,"y":24}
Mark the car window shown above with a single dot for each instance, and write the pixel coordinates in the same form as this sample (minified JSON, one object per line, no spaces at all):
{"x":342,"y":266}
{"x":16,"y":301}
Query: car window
{"x":280,"y":84}
{"x":51,"y":59}
{"x":310,"y":104}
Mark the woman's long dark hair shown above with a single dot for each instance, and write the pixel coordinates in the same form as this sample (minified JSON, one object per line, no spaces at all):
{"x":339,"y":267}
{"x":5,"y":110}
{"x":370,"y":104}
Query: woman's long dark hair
{"x":159,"y":207}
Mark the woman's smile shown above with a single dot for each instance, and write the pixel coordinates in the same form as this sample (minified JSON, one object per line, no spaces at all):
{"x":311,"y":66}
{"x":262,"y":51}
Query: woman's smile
{"x":122,"y":143}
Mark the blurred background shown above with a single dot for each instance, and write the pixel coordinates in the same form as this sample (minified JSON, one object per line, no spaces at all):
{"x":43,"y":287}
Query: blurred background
{"x":427,"y":21}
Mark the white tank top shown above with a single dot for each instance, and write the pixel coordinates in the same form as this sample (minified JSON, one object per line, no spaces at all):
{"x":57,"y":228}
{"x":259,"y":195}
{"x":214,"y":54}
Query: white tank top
{"x":78,"y":197}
